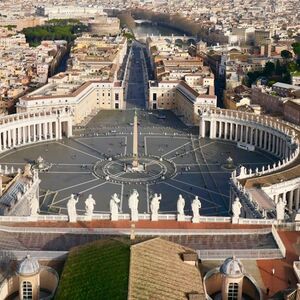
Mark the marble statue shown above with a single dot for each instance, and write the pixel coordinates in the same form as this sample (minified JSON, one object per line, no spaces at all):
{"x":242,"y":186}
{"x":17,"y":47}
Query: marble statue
{"x":34,"y":205}
{"x":196,"y":205}
{"x":154,"y":207}
{"x":180,"y":208}
{"x":89,"y":206}
{"x":27,"y":171}
{"x":114,"y":207}
{"x":280,"y":209}
{"x":133,"y":203}
{"x":71,"y":207}
{"x":236,"y":210}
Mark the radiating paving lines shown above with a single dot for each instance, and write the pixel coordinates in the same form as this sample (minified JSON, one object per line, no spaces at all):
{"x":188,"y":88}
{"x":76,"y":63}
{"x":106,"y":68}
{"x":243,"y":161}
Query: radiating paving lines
{"x":83,"y":152}
{"x":225,"y":202}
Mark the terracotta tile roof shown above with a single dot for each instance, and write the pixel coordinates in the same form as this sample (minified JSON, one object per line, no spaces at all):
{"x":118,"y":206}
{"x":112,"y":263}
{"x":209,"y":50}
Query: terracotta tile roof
{"x":157,"y":271}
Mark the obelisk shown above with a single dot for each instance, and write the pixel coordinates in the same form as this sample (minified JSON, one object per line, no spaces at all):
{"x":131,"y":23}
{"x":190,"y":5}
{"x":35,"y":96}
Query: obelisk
{"x":135,"y":162}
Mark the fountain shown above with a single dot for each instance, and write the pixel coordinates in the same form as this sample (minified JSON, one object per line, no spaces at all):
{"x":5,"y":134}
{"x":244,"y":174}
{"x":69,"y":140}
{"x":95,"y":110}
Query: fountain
{"x":229,"y":165}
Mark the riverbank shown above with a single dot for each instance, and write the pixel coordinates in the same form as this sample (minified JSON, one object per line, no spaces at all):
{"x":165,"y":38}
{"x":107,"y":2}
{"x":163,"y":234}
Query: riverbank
{"x":175,"y":22}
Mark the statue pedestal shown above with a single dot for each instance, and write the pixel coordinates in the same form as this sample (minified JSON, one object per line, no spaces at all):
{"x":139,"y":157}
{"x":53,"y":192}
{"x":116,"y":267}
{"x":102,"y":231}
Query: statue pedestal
{"x":135,"y":167}
{"x":180,"y":218}
{"x":196,"y":220}
{"x":72,"y":219}
{"x":88,"y":218}
{"x":134,"y":217}
{"x":114,"y":217}
{"x":154,"y":217}
{"x":235,"y":220}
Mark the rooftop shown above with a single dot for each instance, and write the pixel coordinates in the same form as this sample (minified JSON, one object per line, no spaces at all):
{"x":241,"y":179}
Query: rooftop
{"x":157,"y":269}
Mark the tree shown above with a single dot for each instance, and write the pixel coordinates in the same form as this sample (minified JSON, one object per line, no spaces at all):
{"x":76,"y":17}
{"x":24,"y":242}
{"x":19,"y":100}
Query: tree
{"x":296,"y":48}
{"x":269,"y":68}
{"x":285,"y":54}
{"x":278,"y":68}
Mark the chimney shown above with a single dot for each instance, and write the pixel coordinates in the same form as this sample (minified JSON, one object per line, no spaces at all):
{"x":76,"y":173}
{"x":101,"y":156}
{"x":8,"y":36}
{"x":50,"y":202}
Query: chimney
{"x":190,"y":258}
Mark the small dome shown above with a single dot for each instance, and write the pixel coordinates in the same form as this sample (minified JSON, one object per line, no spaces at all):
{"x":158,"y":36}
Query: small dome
{"x":232,"y":267}
{"x":28,"y":266}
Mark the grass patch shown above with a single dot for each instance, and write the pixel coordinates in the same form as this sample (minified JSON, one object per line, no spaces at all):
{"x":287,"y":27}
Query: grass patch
{"x":98,"y":270}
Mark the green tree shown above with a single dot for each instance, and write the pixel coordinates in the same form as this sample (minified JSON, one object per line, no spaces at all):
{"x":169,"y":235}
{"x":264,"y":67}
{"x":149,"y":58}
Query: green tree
{"x":278,"y":68}
{"x":269,"y":69}
{"x":296,"y":48}
{"x":285,"y":54}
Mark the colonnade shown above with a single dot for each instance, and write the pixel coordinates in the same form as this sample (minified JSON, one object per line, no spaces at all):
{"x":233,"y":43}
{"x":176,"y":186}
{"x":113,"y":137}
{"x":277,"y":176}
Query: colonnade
{"x":27,"y":128}
{"x":258,"y":135}
{"x":273,"y":136}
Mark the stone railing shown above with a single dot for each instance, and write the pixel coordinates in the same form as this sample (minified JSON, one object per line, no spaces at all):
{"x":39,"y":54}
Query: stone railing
{"x":141,"y":217}
{"x":248,"y":173}
{"x":252,"y":254}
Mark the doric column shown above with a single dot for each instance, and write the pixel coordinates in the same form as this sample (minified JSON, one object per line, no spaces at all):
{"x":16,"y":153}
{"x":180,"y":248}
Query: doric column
{"x":24,"y":135}
{"x":290,"y":200}
{"x":211,"y":129}
{"x":231,"y":131}
{"x":59,"y":130}
{"x":281,"y":148}
{"x":251,"y":136}
{"x":274,"y":144}
{"x":19,"y":136}
{"x":14,"y":137}
{"x":270,"y":142}
{"x":28,"y":133}
{"x":56,"y":130}
{"x":265,"y":140}
{"x":260,"y":139}
{"x":247,"y":133}
{"x":51,"y":130}
{"x":236,"y":132}
{"x":201,"y":128}
{"x":241,"y":133}
{"x":297,"y":198}
{"x":34,"y":132}
{"x":40,"y":131}
{"x":70,"y":131}
{"x":45,"y":131}
{"x":1,"y":141}
{"x":277,"y":145}
{"x":220,"y":129}
{"x":9,"y":138}
{"x":4,"y":140}
{"x":226,"y":130}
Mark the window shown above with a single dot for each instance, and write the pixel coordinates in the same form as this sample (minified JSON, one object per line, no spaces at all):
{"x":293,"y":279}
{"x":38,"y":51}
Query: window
{"x":117,"y":97}
{"x":154,"y":96}
{"x":27,"y":290}
{"x":233,"y":291}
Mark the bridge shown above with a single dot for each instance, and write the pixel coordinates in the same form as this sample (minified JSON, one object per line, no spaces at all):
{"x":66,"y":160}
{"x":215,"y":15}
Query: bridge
{"x":181,"y":39}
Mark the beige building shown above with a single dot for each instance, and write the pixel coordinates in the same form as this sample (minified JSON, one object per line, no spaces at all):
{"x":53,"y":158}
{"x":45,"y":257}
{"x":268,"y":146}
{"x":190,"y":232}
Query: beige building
{"x":183,"y":84}
{"x":81,"y":99}
{"x":181,"y":98}
{"x":90,"y":85}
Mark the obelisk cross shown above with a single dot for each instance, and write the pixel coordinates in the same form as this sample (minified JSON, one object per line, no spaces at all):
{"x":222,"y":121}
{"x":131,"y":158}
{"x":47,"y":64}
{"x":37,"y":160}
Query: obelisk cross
{"x":135,"y":161}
